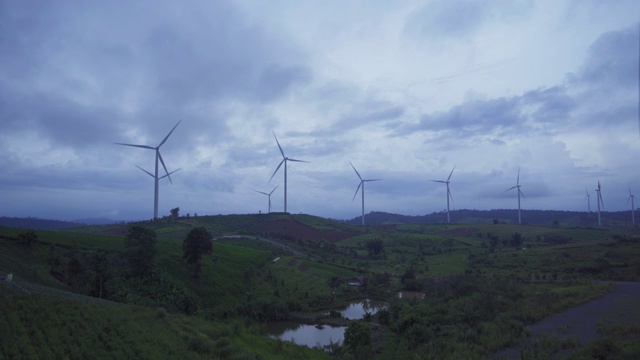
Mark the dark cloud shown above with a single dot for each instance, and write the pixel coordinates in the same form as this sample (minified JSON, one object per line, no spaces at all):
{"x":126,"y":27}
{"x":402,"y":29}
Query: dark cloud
{"x":613,"y":60}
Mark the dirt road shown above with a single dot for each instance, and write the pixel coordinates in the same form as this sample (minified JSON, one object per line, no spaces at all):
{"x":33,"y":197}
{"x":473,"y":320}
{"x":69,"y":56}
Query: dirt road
{"x":620,"y":306}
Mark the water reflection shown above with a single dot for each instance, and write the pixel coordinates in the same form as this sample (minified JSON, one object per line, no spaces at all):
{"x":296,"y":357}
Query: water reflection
{"x":307,"y":335}
{"x":357,"y":310}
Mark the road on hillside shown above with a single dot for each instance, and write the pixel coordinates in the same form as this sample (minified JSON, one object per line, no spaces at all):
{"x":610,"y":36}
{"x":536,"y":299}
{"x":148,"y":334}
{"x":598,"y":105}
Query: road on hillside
{"x":272,"y":242}
{"x":617,"y":307}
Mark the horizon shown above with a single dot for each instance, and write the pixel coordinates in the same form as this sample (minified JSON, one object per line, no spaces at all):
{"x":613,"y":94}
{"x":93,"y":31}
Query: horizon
{"x":405,"y":92}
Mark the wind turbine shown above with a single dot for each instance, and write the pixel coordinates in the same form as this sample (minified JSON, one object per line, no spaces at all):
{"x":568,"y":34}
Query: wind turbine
{"x":599,"y":198}
{"x":588,"y":198}
{"x":633,"y":208}
{"x":362,"y":181}
{"x":269,"y":195}
{"x":284,"y":161}
{"x":448,"y":192}
{"x":155,"y":176}
{"x":517,"y":186}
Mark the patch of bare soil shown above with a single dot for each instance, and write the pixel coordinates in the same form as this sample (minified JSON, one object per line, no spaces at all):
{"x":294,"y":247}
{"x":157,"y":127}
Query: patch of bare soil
{"x":296,"y":231}
{"x":619,"y":307}
{"x":459,"y":232}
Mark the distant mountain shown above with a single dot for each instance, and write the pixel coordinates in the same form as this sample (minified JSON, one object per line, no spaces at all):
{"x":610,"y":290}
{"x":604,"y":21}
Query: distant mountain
{"x":36,"y":223}
{"x":96,"y":221}
{"x":535,"y":217}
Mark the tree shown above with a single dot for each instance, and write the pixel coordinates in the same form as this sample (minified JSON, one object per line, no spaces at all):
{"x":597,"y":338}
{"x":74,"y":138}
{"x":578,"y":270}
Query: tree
{"x":197,"y":242}
{"x":175,"y":213}
{"x":140,"y":250}
{"x":375,"y":247}
{"x":28,"y":238}
{"x":358,"y":340}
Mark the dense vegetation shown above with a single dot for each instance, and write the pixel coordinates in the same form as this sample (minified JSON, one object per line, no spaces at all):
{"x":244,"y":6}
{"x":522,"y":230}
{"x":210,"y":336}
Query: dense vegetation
{"x":133,"y":291}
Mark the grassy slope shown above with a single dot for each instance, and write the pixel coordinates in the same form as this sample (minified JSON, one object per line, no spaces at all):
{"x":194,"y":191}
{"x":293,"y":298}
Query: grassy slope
{"x":437,"y":251}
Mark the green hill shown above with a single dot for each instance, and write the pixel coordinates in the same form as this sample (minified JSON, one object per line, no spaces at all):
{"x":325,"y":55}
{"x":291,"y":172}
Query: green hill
{"x":73,"y":297}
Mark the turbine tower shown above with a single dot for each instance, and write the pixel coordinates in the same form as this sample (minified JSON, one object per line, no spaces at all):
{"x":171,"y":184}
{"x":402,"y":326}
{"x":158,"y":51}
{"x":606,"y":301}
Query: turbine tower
{"x":284,"y":161}
{"x":449,"y":196}
{"x":362,"y":181}
{"x":633,"y":208}
{"x":269,"y":195}
{"x":599,"y":198}
{"x":588,"y":198}
{"x":517,"y":186}
{"x":155,"y":176}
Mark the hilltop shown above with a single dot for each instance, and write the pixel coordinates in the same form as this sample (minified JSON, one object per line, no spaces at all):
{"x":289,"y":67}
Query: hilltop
{"x":508,"y":216}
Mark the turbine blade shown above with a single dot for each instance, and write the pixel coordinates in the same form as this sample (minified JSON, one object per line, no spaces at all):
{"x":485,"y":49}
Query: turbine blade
{"x":164,"y":166}
{"x":261,"y":192}
{"x":629,"y":189}
{"x":354,"y":169}
{"x":138,"y":146}
{"x":450,"y":195}
{"x":278,"y":168}
{"x":511,"y":188}
{"x":279,"y":147}
{"x":521,"y":193}
{"x":439,"y":181}
{"x":150,"y":174}
{"x":518,"y":180}
{"x":298,"y":160}
{"x":454,"y":167}
{"x":274,"y":189}
{"x":174,"y":171}
{"x":371,"y":179}
{"x":358,"y":188}
{"x":169,"y":134}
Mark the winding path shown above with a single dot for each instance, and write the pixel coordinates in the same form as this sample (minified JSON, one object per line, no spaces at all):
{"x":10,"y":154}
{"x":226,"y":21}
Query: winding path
{"x":620,"y":306}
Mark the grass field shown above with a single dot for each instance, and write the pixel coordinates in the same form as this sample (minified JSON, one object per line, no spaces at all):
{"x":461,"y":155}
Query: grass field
{"x":483,"y":283}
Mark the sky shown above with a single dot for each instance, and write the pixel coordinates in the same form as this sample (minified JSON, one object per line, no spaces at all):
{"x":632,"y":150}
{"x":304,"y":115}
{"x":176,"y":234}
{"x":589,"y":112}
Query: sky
{"x":404,"y":90}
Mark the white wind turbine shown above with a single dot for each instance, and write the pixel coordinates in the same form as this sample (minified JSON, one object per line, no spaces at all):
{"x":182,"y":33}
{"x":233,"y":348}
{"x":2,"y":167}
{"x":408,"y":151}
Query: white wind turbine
{"x":155,"y":176}
{"x":269,"y":195}
{"x":599,"y":198}
{"x":449,"y":196}
{"x":588,"y":198}
{"x":361,"y":184}
{"x":633,"y":208}
{"x":284,"y":161}
{"x":517,"y":186}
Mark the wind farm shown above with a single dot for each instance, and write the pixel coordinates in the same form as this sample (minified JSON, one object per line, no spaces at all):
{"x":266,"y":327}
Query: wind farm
{"x":405,"y":90}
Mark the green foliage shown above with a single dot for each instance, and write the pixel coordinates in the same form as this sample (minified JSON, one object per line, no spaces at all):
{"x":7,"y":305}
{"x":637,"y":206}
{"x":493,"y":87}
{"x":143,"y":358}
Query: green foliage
{"x":140,"y":251}
{"x":358,"y":339}
{"x":197,"y":242}
{"x":28,"y":238}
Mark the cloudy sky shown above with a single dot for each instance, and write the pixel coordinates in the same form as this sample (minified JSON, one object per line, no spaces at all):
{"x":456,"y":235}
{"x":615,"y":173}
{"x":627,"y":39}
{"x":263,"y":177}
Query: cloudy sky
{"x":405,"y":90}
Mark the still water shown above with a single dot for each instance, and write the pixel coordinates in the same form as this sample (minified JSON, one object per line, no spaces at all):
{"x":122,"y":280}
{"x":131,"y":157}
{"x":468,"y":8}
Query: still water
{"x":321,"y":335}
{"x":307,"y":335}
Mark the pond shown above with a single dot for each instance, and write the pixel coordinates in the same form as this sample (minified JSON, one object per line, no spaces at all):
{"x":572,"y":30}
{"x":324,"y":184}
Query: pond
{"x":307,"y":335}
{"x":322,"y":335}
{"x":357,"y":310}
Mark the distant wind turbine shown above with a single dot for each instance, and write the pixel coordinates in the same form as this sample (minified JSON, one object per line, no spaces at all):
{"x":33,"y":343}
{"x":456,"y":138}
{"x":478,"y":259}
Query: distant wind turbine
{"x":449,"y":196}
{"x":284,"y":161}
{"x":588,"y":198}
{"x":269,"y":195}
{"x":155,"y":176}
{"x":600,"y":202}
{"x":633,"y":208}
{"x":517,"y":186}
{"x":361,"y":184}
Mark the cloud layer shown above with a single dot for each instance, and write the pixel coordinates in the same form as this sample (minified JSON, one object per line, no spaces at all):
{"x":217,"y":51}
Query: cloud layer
{"x":405,"y":92}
